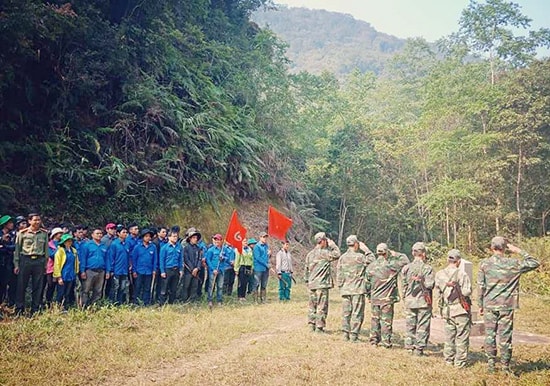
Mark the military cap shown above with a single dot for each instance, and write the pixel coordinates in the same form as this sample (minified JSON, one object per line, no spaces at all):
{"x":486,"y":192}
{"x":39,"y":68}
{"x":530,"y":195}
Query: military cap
{"x":419,"y":246}
{"x":351,"y":240}
{"x":382,"y":248}
{"x":453,"y":255}
{"x":320,"y":236}
{"x":498,"y":242}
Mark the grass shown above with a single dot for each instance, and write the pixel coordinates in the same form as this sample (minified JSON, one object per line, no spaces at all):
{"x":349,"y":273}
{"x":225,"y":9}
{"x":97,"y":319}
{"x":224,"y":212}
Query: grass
{"x":236,"y":344}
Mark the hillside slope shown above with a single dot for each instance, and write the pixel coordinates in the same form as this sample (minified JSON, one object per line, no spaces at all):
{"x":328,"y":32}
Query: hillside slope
{"x":329,"y":41}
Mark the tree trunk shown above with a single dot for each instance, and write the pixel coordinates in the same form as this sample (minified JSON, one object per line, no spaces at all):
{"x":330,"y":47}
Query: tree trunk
{"x":447,"y":230}
{"x":518,"y":192}
{"x":342,"y":219}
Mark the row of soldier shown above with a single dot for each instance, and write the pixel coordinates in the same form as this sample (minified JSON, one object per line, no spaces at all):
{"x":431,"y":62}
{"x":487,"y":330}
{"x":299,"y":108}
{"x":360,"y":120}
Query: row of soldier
{"x":363,"y":275}
{"x":126,"y":265}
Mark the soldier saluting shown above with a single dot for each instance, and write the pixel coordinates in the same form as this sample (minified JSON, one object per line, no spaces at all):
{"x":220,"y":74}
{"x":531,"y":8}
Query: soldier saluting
{"x":319,"y":280}
{"x":498,"y":281}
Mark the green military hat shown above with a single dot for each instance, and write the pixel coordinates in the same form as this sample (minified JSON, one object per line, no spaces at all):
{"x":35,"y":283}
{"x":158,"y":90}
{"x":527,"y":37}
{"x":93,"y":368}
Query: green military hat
{"x":351,"y":240}
{"x":382,"y":248}
{"x":320,"y":236}
{"x":498,"y":242}
{"x":5,"y":219}
{"x":453,"y":255}
{"x":419,"y":246}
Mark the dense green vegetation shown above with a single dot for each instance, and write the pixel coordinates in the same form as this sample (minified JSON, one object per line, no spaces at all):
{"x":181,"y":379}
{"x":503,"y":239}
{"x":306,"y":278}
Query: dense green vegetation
{"x":125,"y":108}
{"x":320,"y":40}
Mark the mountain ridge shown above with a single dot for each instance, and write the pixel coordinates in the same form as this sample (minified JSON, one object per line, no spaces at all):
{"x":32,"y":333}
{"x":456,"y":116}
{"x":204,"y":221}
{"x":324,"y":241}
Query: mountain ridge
{"x":321,"y":40}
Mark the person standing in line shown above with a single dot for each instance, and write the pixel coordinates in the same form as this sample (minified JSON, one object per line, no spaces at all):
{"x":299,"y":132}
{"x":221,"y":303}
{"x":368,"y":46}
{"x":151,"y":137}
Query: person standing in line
{"x":351,"y":274}
{"x":283,"y":267}
{"x":216,"y":262}
{"x":171,"y":268}
{"x":383,"y":293}
{"x":119,"y":256}
{"x":192,"y":260}
{"x":144,"y":261}
{"x":244,"y":268}
{"x":229,"y":274}
{"x":29,"y":261}
{"x":318,"y":278}
{"x":498,"y":281}
{"x":65,"y":271}
{"x":95,"y":267}
{"x":454,"y":284}
{"x":8,"y":280}
{"x":261,"y":255}
{"x":49,"y":285}
{"x":418,"y":282}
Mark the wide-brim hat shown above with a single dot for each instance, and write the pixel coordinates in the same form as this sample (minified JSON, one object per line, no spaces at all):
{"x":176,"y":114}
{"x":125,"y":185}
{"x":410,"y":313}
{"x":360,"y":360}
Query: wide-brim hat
{"x":55,"y":231}
{"x":192,"y":233}
{"x":5,"y":219}
{"x":145,"y":232}
{"x":65,"y":237}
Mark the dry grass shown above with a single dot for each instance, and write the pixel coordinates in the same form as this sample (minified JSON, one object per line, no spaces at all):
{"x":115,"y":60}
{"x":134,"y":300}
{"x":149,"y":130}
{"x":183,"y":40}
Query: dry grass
{"x":235,"y":344}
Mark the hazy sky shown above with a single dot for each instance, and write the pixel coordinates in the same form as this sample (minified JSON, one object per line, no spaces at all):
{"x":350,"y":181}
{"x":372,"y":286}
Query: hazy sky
{"x":430,"y":19}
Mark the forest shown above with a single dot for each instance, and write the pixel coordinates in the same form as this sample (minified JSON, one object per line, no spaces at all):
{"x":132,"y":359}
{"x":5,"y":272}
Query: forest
{"x":127,"y":108}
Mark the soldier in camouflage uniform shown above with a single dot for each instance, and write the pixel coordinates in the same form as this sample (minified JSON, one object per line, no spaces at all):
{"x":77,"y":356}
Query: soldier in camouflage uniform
{"x":457,"y":319}
{"x":498,"y":281}
{"x":418,"y":282}
{"x":382,"y":290}
{"x":319,"y":280}
{"x":351,"y":275}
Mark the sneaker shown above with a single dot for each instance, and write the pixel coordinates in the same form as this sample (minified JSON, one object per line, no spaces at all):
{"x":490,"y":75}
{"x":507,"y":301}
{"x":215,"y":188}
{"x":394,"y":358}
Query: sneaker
{"x":345,"y":336}
{"x":449,"y":363}
{"x":210,"y":304}
{"x":312,"y":327}
{"x":320,"y":330}
{"x":460,"y":365}
{"x":354,"y":339}
{"x":507,"y":371}
{"x":410,"y":351}
{"x":419,"y":352}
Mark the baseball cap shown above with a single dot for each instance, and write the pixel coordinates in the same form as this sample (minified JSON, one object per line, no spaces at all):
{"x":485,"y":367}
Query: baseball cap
{"x":453,"y":255}
{"x":110,"y":226}
{"x":217,"y":236}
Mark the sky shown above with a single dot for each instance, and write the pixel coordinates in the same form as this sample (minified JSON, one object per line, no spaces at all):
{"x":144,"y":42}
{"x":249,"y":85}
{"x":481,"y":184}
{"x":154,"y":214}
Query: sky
{"x":430,"y":19}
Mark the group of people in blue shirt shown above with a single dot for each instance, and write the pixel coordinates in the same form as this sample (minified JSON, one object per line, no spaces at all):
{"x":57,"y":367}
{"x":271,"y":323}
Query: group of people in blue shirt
{"x":155,"y":265}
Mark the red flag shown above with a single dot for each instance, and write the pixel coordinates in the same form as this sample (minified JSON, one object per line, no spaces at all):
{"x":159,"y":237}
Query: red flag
{"x":278,"y":224}
{"x":236,"y":233}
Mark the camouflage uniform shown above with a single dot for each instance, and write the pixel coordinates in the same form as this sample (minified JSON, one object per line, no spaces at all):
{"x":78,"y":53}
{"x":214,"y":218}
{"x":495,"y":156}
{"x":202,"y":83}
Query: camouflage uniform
{"x":319,"y":281}
{"x":417,"y":310}
{"x":382,"y":290}
{"x":498,"y":281}
{"x":351,"y":275}
{"x":457,"y":319}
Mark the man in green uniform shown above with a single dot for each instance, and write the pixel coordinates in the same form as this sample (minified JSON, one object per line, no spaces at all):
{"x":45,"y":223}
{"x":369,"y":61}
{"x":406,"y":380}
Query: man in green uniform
{"x":382,"y":290}
{"x":418,"y":282}
{"x":29,"y":261}
{"x":350,"y":277}
{"x":457,"y":319}
{"x":498,"y":281}
{"x":319,"y":280}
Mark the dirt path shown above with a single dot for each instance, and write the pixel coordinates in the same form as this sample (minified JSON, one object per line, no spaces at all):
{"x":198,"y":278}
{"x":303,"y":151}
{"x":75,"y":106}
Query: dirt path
{"x":187,"y":370}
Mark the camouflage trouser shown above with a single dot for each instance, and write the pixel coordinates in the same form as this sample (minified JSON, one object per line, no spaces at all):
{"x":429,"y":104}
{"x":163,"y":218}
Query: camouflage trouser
{"x":381,"y":324}
{"x":503,"y":322}
{"x":353,"y":313}
{"x":457,"y":339}
{"x":418,"y":327}
{"x":318,"y":307}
